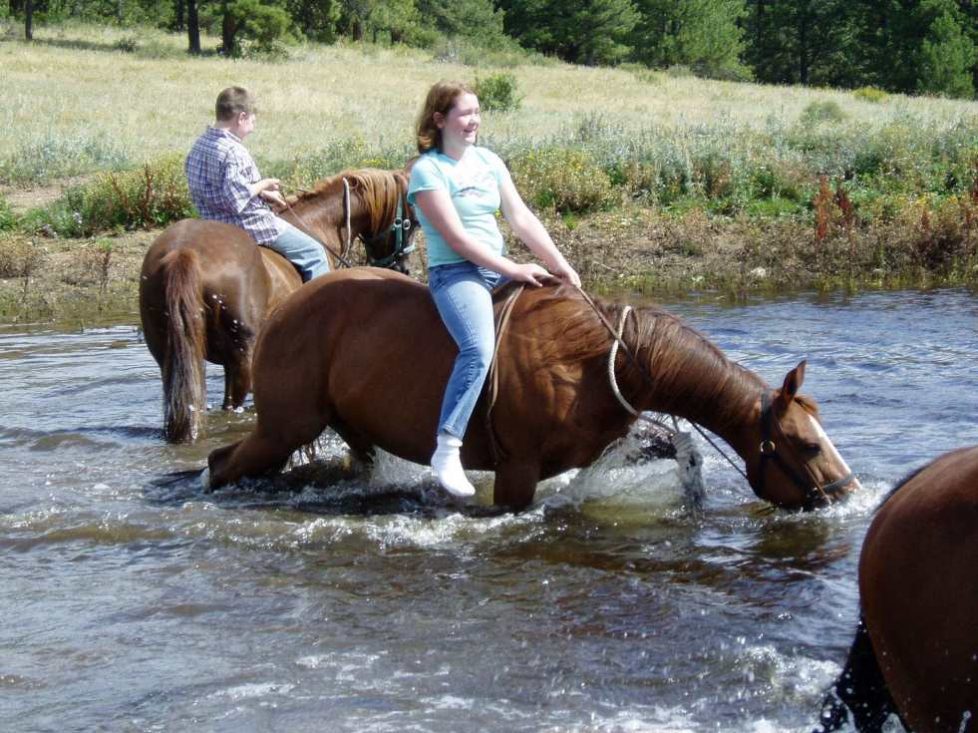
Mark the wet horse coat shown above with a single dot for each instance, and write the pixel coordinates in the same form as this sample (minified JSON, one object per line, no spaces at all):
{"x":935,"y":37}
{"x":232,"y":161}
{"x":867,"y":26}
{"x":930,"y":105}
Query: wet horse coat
{"x":364,"y":352}
{"x":916,"y":649}
{"x":206,"y":288}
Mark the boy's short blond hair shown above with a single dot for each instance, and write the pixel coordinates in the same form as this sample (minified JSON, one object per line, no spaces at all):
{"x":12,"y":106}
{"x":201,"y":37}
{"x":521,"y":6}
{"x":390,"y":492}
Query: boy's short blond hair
{"x":233,"y":101}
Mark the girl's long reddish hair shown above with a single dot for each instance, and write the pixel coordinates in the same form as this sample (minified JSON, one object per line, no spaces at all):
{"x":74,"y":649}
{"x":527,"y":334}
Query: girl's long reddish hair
{"x":441,"y":98}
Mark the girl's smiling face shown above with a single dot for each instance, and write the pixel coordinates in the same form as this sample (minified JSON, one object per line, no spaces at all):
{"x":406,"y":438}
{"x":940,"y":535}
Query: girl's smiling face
{"x":460,"y":127}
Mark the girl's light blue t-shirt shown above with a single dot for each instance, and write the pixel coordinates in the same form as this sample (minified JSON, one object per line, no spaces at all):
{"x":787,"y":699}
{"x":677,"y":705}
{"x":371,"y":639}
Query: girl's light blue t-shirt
{"x":473,"y":184}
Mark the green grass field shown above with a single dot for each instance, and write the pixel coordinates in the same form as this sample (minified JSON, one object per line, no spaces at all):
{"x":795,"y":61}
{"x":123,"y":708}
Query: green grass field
{"x":74,"y":104}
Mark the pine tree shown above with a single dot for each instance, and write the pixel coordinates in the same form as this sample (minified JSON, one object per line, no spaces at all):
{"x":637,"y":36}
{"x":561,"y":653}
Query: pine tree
{"x":580,"y":31}
{"x":947,"y":54}
{"x":701,"y":34}
{"x":803,"y":41}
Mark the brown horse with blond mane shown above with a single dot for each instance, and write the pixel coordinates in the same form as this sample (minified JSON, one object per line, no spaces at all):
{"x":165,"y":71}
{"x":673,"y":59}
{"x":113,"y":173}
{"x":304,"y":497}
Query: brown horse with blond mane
{"x":206,"y":288}
{"x":916,"y":647}
{"x":364,"y":352}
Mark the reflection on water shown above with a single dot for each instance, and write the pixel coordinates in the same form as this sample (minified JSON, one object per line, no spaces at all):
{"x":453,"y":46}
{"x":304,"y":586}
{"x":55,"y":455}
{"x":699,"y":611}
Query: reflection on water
{"x":323,"y":597}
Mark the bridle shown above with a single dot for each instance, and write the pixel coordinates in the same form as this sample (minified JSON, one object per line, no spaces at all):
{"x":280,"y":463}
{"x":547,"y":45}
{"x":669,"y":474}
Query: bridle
{"x":771,"y":436}
{"x":401,"y":229}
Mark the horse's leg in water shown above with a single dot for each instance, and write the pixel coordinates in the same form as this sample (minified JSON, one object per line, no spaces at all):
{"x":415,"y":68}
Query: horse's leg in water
{"x":237,"y":378}
{"x":516,"y":483}
{"x":861,"y":689}
{"x":285,"y":424}
{"x":256,"y":455}
{"x":361,"y":449}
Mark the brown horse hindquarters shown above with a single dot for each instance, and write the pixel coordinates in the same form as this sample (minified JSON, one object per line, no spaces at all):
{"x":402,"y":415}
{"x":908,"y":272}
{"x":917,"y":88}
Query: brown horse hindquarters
{"x":918,"y":581}
{"x":344,"y":352}
{"x":211,"y":275}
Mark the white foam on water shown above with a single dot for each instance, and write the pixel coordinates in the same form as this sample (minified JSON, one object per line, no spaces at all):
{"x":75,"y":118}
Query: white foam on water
{"x":643,"y":719}
{"x":795,"y":678}
{"x":253,"y":690}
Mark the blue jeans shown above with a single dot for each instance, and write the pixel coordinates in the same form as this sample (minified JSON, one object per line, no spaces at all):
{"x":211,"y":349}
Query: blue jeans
{"x":463,"y":296}
{"x":301,"y":250}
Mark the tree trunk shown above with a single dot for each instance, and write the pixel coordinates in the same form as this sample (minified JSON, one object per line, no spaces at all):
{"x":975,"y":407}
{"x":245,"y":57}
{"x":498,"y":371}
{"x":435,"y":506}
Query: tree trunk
{"x":804,"y":62}
{"x":228,"y":30}
{"x":29,"y":20}
{"x":178,"y":15}
{"x":193,"y":28}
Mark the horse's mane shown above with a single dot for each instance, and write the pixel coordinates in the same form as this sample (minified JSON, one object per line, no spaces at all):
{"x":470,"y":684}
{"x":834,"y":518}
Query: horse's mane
{"x":661,"y":341}
{"x":377,"y":189}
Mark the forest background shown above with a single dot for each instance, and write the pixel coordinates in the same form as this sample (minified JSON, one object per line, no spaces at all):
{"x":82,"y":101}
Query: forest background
{"x":907,"y":46}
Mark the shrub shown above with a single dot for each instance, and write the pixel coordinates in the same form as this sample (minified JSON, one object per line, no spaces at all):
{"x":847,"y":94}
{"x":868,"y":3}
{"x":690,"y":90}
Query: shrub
{"x":129,"y":44}
{"x":154,"y":49}
{"x":498,"y":92}
{"x":679,"y":71}
{"x":146,"y":197}
{"x":19,"y":257}
{"x":563,"y":179}
{"x":824,"y":111}
{"x":870,"y":94}
{"x":8,"y":219}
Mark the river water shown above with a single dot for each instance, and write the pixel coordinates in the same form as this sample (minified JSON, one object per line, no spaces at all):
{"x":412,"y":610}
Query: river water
{"x":327,"y":601}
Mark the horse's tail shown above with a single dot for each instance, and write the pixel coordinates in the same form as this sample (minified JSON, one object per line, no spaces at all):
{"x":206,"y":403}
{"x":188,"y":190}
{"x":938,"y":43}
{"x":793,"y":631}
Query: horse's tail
{"x":183,"y":361}
{"x":860,"y":690}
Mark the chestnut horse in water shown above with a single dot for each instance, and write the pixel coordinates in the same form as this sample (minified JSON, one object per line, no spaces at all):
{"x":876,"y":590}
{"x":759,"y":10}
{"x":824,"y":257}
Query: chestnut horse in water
{"x":206,"y":287}
{"x":916,"y":648}
{"x":365,"y":352}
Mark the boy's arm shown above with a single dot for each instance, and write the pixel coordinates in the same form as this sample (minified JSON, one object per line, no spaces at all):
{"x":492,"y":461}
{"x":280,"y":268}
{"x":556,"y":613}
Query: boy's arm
{"x":237,"y":189}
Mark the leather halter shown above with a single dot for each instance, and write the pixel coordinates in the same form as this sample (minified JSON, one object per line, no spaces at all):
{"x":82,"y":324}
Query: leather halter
{"x":401,"y":228}
{"x":771,"y":435}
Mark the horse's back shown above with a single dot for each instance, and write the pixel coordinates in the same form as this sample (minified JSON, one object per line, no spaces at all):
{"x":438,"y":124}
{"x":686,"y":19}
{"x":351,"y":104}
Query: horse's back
{"x":212,"y":241}
{"x":919,"y":590}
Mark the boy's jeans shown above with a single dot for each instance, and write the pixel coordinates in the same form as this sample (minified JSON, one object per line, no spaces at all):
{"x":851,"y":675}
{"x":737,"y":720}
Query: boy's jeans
{"x":301,"y":250}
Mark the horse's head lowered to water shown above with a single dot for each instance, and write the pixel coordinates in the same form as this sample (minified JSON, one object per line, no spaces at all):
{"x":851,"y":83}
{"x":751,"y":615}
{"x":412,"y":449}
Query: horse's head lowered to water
{"x":794,"y":464}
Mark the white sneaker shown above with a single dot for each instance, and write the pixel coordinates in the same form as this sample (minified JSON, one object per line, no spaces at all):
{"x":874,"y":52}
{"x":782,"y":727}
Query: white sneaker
{"x":447,"y":465}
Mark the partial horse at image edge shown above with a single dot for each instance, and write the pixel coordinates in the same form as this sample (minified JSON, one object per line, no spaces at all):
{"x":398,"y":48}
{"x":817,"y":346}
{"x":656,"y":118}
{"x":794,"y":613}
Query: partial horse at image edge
{"x":364,"y":352}
{"x":206,"y":287}
{"x":915,"y":653}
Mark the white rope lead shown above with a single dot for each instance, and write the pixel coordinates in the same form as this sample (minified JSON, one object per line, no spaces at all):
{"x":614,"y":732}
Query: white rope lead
{"x":689,"y":462}
{"x":346,"y":211}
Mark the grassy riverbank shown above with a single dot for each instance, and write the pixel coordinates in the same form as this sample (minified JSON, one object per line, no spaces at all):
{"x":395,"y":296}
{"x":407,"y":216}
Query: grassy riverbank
{"x":654,"y":181}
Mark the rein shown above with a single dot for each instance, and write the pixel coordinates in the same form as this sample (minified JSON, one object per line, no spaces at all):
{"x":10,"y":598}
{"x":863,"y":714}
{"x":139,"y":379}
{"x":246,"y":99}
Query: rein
{"x":341,"y":257}
{"x":503,"y":321}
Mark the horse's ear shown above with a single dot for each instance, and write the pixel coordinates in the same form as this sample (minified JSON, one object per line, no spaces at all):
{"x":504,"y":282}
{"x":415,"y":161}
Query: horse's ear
{"x":792,"y":383}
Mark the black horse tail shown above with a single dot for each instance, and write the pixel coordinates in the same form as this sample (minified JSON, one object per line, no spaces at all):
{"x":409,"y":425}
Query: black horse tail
{"x":860,"y":690}
{"x":183,"y":361}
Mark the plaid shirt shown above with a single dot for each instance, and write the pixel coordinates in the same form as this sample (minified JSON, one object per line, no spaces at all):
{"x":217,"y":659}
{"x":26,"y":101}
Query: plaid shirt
{"x":219,"y":170}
